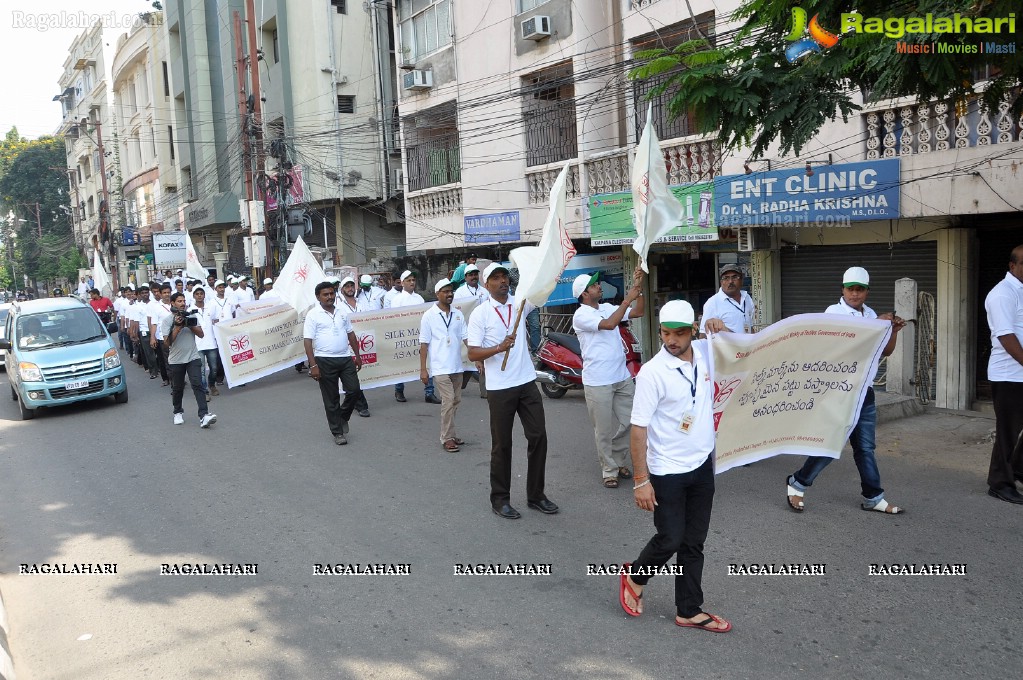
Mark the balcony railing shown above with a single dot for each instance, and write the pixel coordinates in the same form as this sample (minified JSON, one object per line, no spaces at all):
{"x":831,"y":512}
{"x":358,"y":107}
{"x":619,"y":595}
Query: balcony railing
{"x":938,"y":126}
{"x":435,"y":202}
{"x":541,"y":181}
{"x":433,"y":164}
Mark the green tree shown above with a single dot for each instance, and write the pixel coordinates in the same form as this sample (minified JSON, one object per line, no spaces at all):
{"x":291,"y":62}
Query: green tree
{"x":747,"y":91}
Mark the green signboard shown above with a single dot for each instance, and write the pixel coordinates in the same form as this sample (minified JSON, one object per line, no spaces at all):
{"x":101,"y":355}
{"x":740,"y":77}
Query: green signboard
{"x":611,"y":217}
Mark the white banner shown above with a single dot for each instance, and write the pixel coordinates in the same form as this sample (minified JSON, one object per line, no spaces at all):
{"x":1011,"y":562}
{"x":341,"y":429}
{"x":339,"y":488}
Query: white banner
{"x":260,"y":344}
{"x":795,"y":387}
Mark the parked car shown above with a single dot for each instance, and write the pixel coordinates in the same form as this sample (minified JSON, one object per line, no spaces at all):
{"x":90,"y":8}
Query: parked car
{"x":57,"y":351}
{"x":5,"y":311}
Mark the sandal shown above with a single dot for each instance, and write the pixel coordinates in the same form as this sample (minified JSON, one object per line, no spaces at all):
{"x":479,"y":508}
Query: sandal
{"x":885,"y":507}
{"x":451,"y":446}
{"x":624,"y":473}
{"x":725,"y":626}
{"x":459,"y":441}
{"x":794,"y":496}
{"x":610,"y":482}
{"x":623,"y":585}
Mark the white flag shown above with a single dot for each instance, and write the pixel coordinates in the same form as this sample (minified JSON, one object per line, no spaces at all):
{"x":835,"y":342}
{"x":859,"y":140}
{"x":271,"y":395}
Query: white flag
{"x":100,"y":278}
{"x":297,"y":282}
{"x":655,"y":209}
{"x":192,"y":266}
{"x":541,"y":265}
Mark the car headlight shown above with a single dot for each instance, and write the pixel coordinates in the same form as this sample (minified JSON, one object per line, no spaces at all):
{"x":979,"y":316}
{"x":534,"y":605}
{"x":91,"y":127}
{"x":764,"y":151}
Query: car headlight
{"x":29,"y":372}
{"x":111,"y":359}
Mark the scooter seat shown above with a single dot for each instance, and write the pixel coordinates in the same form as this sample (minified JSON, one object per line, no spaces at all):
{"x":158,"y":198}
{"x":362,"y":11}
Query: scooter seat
{"x":569,"y":342}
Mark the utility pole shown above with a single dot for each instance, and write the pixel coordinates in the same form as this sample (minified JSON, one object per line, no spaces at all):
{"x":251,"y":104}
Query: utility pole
{"x":243,"y":110}
{"x":256,"y":121}
{"x":104,"y":213}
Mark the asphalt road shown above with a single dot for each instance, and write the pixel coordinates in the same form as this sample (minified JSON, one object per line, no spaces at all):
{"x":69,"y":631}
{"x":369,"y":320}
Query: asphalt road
{"x":106,"y":483}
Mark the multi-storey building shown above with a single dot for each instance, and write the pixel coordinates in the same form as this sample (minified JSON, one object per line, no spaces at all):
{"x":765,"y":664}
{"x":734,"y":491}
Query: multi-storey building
{"x":144,"y":137}
{"x":496,"y":97}
{"x":320,"y":128}
{"x":85,"y":95}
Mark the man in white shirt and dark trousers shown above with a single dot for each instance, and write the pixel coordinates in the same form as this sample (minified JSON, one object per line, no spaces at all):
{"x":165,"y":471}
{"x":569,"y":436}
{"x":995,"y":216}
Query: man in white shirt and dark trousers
{"x":731,"y":303}
{"x":607,"y":383}
{"x":672,"y":455}
{"x":472,"y":290}
{"x":183,"y":358}
{"x":1004,"y":306}
{"x":442,"y":332}
{"x":333,"y":354}
{"x":492,"y":333}
{"x":207,"y":343}
{"x":408,"y":297}
{"x":855,"y":287}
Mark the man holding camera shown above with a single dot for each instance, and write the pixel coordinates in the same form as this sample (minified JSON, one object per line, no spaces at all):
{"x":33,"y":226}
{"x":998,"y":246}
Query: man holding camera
{"x":180,"y":331}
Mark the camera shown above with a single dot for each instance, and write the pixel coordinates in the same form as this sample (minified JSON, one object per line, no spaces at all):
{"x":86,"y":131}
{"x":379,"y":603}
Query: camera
{"x":190,"y":320}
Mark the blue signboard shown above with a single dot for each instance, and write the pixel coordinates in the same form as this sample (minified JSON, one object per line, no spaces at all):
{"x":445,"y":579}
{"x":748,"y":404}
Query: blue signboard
{"x":492,"y":228}
{"x":611,"y":266}
{"x":129,"y":236}
{"x":826,"y":196}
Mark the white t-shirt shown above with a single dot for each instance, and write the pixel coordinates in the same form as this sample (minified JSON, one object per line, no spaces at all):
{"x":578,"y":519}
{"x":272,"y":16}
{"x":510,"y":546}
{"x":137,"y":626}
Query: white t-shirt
{"x":738,"y":316}
{"x":344,"y":306}
{"x":444,"y":334}
{"x":1004,"y":305}
{"x":389,"y":296}
{"x":489,"y":324}
{"x":404,"y":299}
{"x":843,"y":308}
{"x":158,"y":311}
{"x":245,"y":294}
{"x":205,"y":316}
{"x":220,"y":309}
{"x":234,"y":297}
{"x":465,"y":292}
{"x":603,"y":352}
{"x":664,"y":397}
{"x":328,"y":331}
{"x":140,"y":315}
{"x":368,"y":301}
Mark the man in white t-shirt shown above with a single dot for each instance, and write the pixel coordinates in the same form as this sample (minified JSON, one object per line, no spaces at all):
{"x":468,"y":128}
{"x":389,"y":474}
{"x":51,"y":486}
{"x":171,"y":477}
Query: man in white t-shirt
{"x":333,"y":354}
{"x":245,"y":292}
{"x":160,"y":309}
{"x":492,"y":334}
{"x":220,"y":310}
{"x":607,"y":383}
{"x":207,"y":343}
{"x":370,"y":297}
{"x":855,"y":287}
{"x":472,"y":287}
{"x":731,"y":303}
{"x":408,"y":297}
{"x":393,"y":290}
{"x":442,"y":332}
{"x":1004,"y":307}
{"x":672,"y":455}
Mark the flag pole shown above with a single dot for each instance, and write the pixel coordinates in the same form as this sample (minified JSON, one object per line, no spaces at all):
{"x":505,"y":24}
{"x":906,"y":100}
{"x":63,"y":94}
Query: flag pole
{"x":518,"y":318}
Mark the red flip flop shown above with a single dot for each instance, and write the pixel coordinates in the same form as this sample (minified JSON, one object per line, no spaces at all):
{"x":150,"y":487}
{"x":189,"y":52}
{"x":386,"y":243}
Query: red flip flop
{"x":702,"y":625}
{"x":623,"y":585}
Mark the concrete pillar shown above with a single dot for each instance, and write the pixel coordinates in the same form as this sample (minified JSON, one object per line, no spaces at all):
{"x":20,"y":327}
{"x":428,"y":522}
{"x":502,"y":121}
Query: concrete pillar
{"x":901,"y":363}
{"x":765,"y":286}
{"x":220,"y":261}
{"x":956,"y":315}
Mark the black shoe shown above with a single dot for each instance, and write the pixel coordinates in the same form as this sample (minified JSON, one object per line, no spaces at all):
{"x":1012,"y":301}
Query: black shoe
{"x":340,"y":440}
{"x":507,"y":511}
{"x":545,"y":506}
{"x":344,"y":427}
{"x":364,"y":413}
{"x":1009,"y":495}
{"x":432,"y":399}
{"x":398,"y":396}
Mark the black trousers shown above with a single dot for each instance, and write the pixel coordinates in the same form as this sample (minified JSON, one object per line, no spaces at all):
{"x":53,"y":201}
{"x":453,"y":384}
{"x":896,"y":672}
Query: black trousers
{"x":162,"y":360}
{"x":1007,"y":452}
{"x":524,"y":400}
{"x":194,"y":371}
{"x":149,"y":352}
{"x":333,"y":369}
{"x":682,"y":518}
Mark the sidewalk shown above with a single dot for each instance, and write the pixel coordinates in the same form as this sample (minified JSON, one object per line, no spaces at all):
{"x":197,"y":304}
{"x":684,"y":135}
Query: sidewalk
{"x":6,"y":664}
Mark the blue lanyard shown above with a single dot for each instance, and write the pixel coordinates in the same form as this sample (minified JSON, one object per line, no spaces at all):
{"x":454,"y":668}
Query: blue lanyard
{"x":741,"y":309}
{"x":696,"y":377}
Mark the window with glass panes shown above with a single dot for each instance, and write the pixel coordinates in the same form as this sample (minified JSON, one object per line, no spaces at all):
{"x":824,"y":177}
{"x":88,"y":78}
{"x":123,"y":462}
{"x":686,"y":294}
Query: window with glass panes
{"x":526,"y":5}
{"x":425,"y":26}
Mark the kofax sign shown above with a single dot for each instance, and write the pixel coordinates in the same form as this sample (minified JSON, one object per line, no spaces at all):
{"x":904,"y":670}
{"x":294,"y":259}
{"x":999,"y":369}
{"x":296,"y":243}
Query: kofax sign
{"x":169,"y":250}
{"x":492,"y":228}
{"x":827,"y":196}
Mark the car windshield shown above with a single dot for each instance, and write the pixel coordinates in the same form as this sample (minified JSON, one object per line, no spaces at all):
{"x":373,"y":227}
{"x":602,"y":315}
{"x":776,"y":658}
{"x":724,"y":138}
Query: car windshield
{"x":57,"y":329}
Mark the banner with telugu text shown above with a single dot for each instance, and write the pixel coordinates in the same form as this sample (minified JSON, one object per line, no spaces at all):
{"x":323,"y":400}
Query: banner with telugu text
{"x":795,"y":387}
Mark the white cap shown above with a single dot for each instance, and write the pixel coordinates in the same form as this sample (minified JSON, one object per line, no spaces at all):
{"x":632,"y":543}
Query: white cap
{"x":405,"y":274}
{"x":334,"y":279}
{"x":856,"y":276}
{"x":267,"y":280}
{"x":347,"y":279}
{"x":233,"y":279}
{"x":491,"y":268}
{"x":180,"y":270}
{"x":582,"y":282}
{"x":440,"y":284}
{"x":677,"y":314}
{"x":366,"y":280}
{"x":470,"y":269}
{"x":131,"y":286}
{"x":218,"y":282}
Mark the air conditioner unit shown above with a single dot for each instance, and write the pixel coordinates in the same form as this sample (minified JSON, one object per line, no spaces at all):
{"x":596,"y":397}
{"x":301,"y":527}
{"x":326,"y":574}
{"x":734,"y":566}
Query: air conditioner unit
{"x":417,"y":80}
{"x":536,"y":28}
{"x":757,"y":238}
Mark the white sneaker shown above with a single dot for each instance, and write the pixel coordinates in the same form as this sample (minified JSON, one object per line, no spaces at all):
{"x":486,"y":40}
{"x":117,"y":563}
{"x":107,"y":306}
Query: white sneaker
{"x":179,"y":418}
{"x":208,"y":420}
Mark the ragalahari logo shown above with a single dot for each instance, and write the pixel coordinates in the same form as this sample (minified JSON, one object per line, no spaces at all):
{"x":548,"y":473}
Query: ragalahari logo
{"x":801,"y":46}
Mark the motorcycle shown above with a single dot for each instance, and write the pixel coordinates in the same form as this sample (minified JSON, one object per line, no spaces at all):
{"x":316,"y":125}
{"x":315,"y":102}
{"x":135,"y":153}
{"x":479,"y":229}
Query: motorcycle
{"x":560,"y":361}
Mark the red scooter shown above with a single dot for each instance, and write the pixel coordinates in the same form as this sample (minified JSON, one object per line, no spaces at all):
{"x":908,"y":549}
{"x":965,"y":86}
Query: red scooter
{"x":560,"y":361}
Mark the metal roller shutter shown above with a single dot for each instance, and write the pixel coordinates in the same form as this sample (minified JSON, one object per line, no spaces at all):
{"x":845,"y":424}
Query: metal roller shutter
{"x":811,"y":277}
